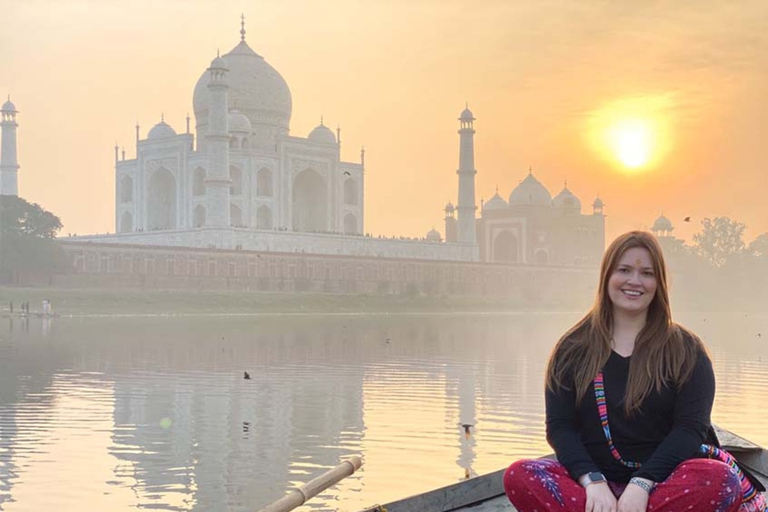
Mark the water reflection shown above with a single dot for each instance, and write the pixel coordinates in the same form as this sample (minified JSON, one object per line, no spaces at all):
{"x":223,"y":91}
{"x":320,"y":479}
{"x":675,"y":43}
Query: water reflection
{"x":124,"y":413}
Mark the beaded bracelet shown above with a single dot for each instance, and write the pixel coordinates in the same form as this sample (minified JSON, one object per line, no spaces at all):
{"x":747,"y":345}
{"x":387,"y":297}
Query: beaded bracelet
{"x":643,"y":484}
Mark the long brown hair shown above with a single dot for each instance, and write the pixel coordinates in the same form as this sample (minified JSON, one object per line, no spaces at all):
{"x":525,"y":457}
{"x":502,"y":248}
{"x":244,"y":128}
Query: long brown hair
{"x":664,"y":354}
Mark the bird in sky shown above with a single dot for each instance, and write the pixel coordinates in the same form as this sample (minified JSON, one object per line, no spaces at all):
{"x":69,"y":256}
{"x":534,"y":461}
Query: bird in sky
{"x":687,"y":219}
{"x":246,"y":376}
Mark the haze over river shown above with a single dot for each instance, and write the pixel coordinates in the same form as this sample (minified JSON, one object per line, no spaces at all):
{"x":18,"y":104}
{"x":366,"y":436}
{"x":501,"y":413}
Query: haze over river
{"x":153,"y":412}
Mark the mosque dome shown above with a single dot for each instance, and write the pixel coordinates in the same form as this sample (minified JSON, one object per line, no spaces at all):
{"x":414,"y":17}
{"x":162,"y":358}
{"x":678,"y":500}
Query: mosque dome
{"x":449,"y":207}
{"x":662,"y":224}
{"x":598,"y":203}
{"x":530,"y":192}
{"x":161,"y":130}
{"x":495,"y":203}
{"x":433,"y":236}
{"x":238,"y":122}
{"x":255,"y":88}
{"x":218,"y":63}
{"x":323,"y":134}
{"x":566,"y":200}
{"x":466,"y":115}
{"x":8,"y":106}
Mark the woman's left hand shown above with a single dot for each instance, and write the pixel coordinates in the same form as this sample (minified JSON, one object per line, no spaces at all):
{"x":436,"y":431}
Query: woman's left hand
{"x":633,"y":499}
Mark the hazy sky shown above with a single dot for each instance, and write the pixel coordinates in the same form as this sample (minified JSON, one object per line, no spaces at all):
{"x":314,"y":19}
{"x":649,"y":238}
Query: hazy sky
{"x":541,"y":77}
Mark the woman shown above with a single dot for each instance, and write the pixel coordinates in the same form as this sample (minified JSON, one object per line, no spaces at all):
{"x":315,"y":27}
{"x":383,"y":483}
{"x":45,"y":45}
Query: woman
{"x":628,"y":358}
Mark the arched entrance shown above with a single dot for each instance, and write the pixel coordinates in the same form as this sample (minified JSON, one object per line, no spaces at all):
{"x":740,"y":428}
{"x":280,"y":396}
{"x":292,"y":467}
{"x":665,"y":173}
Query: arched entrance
{"x":505,"y":248}
{"x":161,"y":200}
{"x":310,"y":202}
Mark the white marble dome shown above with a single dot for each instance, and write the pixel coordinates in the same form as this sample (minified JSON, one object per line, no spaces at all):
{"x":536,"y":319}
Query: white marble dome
{"x":598,"y":203}
{"x":449,"y":207}
{"x":466,"y":115}
{"x":255,"y":88}
{"x":161,"y":130}
{"x":495,"y":203}
{"x":566,"y":200}
{"x":238,"y":122}
{"x":323,"y":134}
{"x":530,"y":192}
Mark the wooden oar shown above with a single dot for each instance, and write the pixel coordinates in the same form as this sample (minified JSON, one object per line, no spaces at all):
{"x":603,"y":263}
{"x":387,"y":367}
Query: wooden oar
{"x":298,"y":497}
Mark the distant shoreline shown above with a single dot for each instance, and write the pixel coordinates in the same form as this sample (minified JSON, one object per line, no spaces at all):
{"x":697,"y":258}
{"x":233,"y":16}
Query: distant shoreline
{"x":113,"y":302}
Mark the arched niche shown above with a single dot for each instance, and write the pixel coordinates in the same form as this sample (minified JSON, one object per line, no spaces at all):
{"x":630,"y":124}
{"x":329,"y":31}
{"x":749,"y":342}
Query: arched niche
{"x":264,"y":217}
{"x":161,"y":200}
{"x":541,"y":257}
{"x":126,"y":222}
{"x":235,"y":215}
{"x":350,"y":224}
{"x":309,"y":202}
{"x":198,"y":216}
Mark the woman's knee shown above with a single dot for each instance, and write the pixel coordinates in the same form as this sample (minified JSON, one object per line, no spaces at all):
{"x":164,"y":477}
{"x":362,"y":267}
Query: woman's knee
{"x":519,"y":474}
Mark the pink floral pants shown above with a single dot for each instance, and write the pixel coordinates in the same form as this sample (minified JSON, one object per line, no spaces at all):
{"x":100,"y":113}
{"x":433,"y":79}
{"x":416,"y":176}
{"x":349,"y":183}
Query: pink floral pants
{"x":697,"y":485}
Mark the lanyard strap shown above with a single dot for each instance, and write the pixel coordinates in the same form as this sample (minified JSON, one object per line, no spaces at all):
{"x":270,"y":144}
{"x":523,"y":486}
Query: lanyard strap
{"x":602,"y":409}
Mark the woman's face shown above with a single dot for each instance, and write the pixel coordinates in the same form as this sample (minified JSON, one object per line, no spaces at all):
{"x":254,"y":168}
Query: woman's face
{"x":632,"y":284}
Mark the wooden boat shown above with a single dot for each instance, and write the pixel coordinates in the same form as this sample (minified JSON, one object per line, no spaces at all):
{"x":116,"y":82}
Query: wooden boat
{"x":486,"y":494}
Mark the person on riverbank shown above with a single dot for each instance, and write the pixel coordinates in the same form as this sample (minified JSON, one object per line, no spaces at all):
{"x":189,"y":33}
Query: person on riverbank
{"x":628,"y":397}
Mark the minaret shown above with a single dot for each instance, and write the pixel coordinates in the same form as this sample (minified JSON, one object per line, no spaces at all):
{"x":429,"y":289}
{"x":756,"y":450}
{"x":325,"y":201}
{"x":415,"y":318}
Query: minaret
{"x":466,"y":207}
{"x":217,"y":179}
{"x":9,"y":163}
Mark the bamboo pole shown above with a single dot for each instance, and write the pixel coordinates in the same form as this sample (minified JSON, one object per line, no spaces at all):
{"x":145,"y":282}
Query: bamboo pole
{"x":297,"y":497}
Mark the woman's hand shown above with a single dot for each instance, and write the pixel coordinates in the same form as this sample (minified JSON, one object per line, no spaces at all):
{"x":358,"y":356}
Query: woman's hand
{"x":633,"y":499}
{"x":600,"y":498}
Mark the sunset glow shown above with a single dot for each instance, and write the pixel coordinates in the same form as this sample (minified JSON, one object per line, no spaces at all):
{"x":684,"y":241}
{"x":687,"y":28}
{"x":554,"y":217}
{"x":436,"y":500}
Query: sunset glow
{"x":632,"y":141}
{"x":633,"y":134}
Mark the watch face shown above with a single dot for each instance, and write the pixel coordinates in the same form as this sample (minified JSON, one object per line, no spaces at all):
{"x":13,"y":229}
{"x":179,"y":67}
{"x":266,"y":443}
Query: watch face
{"x":596,"y":477}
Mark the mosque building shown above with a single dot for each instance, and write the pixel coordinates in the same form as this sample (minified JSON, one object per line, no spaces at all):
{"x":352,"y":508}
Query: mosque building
{"x":243,"y":182}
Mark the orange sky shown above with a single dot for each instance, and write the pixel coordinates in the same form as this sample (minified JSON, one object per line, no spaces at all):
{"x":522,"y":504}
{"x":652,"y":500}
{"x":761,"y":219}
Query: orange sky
{"x":395,"y":75}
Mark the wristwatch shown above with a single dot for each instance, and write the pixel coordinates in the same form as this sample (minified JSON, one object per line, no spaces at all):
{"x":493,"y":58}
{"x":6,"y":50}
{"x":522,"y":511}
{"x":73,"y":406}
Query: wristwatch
{"x":593,"y":477}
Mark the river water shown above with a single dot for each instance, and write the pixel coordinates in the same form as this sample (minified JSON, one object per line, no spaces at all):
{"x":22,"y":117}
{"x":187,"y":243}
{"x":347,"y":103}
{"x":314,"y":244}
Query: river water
{"x":154,"y":412}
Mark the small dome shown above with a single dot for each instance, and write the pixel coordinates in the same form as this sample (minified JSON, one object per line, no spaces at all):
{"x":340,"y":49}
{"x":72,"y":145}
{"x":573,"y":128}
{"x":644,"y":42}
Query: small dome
{"x":466,"y":115}
{"x":322,"y":134}
{"x":218,"y":63}
{"x":238,"y":122}
{"x":8,"y":106}
{"x":449,"y":207}
{"x":530,"y":192}
{"x":662,"y":224}
{"x":495,"y":203}
{"x":434,"y":236}
{"x":598,"y":203}
{"x":161,"y":130}
{"x":566,"y":200}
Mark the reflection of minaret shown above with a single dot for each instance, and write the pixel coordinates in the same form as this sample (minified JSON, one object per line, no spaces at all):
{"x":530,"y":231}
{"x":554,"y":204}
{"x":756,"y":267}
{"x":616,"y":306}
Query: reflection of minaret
{"x":466,"y":392}
{"x":217,"y":181}
{"x":9,"y":165}
{"x":466,"y":172}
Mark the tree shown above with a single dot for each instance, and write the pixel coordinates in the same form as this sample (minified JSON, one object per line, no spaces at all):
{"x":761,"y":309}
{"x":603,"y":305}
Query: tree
{"x":720,"y":239}
{"x":27,"y":239}
{"x":759,"y":247}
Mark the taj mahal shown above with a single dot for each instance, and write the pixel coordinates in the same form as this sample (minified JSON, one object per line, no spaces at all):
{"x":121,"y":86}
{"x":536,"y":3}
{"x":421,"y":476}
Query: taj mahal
{"x":242,"y":181}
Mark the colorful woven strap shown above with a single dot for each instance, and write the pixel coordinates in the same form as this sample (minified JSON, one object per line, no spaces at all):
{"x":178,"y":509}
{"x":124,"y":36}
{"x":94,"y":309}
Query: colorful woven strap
{"x":748,"y":491}
{"x":602,"y":408}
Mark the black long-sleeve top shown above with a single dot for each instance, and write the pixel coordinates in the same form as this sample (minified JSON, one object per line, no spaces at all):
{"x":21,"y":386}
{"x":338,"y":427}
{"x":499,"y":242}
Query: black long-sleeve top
{"x":668,"y":428}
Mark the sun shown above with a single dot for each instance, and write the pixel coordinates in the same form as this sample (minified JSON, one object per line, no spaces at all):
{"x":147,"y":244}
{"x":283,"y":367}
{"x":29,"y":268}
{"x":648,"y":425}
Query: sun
{"x":633,"y":134}
{"x":632,"y":142}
